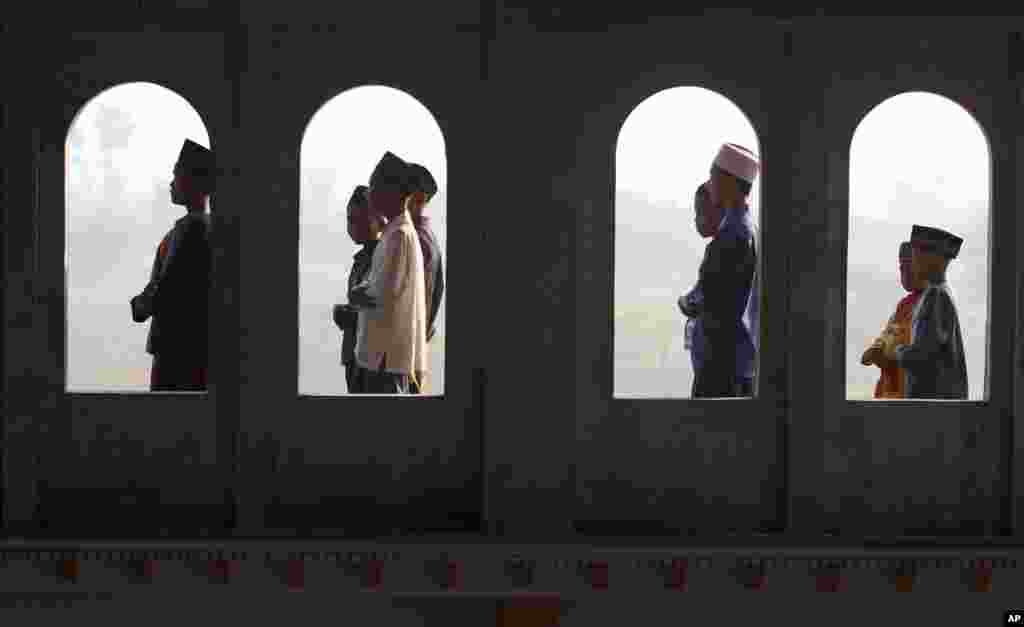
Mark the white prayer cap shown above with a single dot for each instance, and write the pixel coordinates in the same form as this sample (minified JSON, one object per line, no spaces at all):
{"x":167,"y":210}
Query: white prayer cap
{"x":738,"y":161}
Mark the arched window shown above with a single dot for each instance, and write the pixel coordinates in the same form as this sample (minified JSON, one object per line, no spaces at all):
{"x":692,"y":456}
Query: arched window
{"x":916,"y":158}
{"x":664,"y":151}
{"x":342,"y":144}
{"x":120,"y":154}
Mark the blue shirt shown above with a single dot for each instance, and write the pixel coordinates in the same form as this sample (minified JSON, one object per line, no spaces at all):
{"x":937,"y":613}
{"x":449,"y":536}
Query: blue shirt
{"x":736,"y":224}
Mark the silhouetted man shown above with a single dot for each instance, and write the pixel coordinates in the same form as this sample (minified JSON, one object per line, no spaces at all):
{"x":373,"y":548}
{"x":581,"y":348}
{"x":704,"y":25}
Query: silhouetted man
{"x":723,"y":344}
{"x":933,"y":359}
{"x":391,"y":343}
{"x":433,"y":269}
{"x":892,"y":379}
{"x":178,"y":290}
{"x":364,"y":230}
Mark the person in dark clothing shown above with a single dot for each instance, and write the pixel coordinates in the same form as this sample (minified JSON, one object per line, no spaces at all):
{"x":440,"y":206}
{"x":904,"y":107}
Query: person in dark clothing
{"x":933,"y":358}
{"x":391,"y":338}
{"x":433,"y":268}
{"x":724,"y":346}
{"x":364,"y":230}
{"x":177,"y":294}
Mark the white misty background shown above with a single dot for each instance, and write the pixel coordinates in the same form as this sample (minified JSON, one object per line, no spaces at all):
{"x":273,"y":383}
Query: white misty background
{"x":120,"y":153}
{"x":916,"y":158}
{"x":123,"y":144}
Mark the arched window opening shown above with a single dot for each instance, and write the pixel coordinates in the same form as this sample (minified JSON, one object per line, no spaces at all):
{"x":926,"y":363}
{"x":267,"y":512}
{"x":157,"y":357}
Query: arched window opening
{"x":664,"y":152}
{"x":120,"y":154}
{"x":342,"y":144}
{"x":916,"y":158}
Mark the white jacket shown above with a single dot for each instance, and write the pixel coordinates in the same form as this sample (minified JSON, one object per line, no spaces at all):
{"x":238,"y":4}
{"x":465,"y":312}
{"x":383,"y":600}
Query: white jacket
{"x":397,"y":327}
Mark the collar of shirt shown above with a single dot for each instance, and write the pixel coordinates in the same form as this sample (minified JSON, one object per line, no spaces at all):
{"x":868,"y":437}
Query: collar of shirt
{"x":396,"y":223}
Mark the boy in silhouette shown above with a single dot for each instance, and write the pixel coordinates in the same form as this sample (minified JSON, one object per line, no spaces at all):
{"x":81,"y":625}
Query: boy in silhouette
{"x":892,"y":380}
{"x":177,"y":294}
{"x":364,"y":230}
{"x":933,"y":359}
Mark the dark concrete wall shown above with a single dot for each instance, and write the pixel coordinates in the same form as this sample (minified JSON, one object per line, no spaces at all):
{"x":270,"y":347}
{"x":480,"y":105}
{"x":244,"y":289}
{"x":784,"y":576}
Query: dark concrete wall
{"x":528,"y":436}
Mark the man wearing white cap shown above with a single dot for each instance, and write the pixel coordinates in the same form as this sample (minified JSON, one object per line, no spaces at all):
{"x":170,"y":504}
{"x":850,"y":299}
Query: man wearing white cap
{"x":724,"y":344}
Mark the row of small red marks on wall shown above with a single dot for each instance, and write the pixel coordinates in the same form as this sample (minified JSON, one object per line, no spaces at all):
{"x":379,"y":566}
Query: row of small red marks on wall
{"x":674,"y":573}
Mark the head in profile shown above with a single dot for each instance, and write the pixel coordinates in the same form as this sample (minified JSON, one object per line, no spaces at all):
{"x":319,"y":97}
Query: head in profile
{"x":424,"y":187}
{"x":732,"y":176}
{"x":706,"y":217}
{"x":194,"y":177}
{"x":362,"y":226}
{"x":907,"y":279}
{"x":932,"y":250}
{"x":390,"y":186}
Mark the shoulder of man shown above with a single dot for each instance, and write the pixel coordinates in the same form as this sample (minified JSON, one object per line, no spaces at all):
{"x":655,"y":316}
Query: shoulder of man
{"x":192,"y":225}
{"x":928,"y":298}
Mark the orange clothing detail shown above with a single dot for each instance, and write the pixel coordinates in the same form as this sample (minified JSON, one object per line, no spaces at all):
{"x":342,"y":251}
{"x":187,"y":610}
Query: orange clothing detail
{"x":891,"y":382}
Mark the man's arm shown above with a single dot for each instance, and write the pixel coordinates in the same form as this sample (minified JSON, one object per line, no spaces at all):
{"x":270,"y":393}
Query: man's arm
{"x":934,"y":330}
{"x":435,"y":302}
{"x":142,"y":305}
{"x":722,"y":278}
{"x":689,"y":304}
{"x":345,"y":317}
{"x":873,"y":353}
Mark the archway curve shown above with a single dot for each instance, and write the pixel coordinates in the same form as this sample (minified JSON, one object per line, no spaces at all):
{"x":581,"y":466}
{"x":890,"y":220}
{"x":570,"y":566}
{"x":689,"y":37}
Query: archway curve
{"x":917,"y":157}
{"x":341,"y":143}
{"x":686,"y":108}
{"x":137,"y":89}
{"x":663,"y":151}
{"x":120,"y":149}
{"x":937,"y":98}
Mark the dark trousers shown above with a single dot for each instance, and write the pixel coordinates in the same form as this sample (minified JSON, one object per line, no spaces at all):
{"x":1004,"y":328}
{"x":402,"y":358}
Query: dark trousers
{"x":744,"y":387}
{"x":177,"y":373}
{"x":381,"y":382}
{"x":353,"y":378}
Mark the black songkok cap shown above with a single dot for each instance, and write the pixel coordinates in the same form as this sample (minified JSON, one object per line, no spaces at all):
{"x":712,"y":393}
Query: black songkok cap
{"x":359,"y":197}
{"x":905,"y":250}
{"x":423,"y":179}
{"x":936,"y":240}
{"x":195,"y":160}
{"x":391,"y":173}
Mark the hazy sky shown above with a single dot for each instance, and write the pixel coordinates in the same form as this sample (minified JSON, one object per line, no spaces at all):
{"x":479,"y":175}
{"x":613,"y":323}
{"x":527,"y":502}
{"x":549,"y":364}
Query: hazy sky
{"x":902,"y":171}
{"x":928,"y":142}
{"x":664,"y":151}
{"x":666,"y":145}
{"x":114,"y":226}
{"x":163,"y":119}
